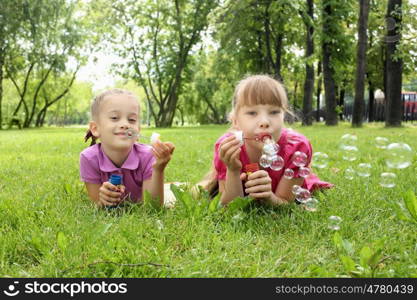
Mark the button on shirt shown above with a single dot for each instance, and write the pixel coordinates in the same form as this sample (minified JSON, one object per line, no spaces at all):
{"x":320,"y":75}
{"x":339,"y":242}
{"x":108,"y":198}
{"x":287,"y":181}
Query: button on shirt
{"x":96,"y":167}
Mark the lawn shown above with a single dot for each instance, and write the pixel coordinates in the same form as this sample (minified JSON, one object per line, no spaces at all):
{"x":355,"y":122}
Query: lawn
{"x":49,"y":228}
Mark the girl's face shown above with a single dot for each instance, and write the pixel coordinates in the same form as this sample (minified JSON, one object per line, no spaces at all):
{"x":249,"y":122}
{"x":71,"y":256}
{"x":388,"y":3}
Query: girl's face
{"x":254,"y":120}
{"x":117,"y":113}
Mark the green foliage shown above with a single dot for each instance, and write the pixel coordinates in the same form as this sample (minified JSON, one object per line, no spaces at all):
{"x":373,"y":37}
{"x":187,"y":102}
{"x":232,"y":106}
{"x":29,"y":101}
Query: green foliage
{"x":207,"y":96}
{"x":369,"y":257}
{"x":50,"y":34}
{"x":159,"y":38}
{"x":410,"y":201}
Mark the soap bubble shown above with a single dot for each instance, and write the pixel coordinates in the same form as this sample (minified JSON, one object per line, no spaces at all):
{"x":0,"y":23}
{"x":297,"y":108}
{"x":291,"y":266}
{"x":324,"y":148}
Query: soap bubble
{"x":270,"y":149}
{"x":131,"y":133}
{"x":311,"y":204}
{"x":381,"y":142}
{"x":334,"y":222}
{"x":349,"y":173}
{"x":350,"y":153}
{"x":302,"y":195}
{"x":388,"y":180}
{"x":299,"y":159}
{"x":320,"y":160}
{"x":295,"y":189}
{"x":304,"y":172}
{"x":348,"y":140}
{"x":289,"y":173}
{"x":265,"y":161}
{"x":364,"y":170}
{"x":398,"y":155}
{"x":277,"y":163}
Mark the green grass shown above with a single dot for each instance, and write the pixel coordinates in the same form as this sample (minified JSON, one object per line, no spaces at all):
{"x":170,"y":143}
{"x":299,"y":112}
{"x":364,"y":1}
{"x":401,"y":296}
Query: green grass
{"x":49,"y":228}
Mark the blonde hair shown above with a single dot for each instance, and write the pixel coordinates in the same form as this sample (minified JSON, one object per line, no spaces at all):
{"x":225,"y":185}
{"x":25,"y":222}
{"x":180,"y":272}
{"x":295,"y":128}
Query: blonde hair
{"x":252,"y":90}
{"x":95,"y":108}
{"x":259,"y":90}
{"x":98,"y":100}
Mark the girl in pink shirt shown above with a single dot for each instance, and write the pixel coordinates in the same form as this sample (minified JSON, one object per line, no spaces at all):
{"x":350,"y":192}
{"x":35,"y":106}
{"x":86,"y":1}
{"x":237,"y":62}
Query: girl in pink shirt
{"x":115,"y":121}
{"x":259,"y":106}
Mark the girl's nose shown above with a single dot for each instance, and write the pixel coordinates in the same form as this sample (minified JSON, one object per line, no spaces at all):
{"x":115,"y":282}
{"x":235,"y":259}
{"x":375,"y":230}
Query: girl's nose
{"x":264,"y":122}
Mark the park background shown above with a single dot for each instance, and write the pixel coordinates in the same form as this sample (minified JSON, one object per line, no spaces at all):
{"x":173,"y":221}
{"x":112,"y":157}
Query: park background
{"x":183,"y":59}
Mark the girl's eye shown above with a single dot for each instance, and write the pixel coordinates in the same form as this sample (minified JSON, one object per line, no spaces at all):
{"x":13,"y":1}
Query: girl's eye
{"x":275,"y":112}
{"x":251,"y":113}
{"x":132,"y":120}
{"x":113,"y":118}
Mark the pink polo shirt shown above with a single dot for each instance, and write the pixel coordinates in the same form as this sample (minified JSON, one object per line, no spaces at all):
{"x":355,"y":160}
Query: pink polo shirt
{"x":96,"y":167}
{"x":289,"y":143}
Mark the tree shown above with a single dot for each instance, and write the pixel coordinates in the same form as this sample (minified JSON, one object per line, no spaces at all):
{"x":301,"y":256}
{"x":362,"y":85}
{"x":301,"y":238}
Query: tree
{"x":259,"y":34}
{"x":393,"y":103}
{"x":337,"y":37}
{"x":206,"y":98}
{"x":309,"y":79}
{"x":10,"y":18}
{"x":49,"y":35}
{"x":63,"y":88}
{"x":158,"y":40}
{"x":359,"y":104}
{"x":328,"y":68}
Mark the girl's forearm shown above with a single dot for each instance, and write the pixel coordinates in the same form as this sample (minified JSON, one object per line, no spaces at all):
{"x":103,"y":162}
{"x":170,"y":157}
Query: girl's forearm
{"x":233,"y":187}
{"x":276,"y":200}
{"x":156,"y":188}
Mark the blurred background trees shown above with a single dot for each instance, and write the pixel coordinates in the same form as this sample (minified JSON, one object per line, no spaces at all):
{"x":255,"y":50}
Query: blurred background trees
{"x":184,"y":57}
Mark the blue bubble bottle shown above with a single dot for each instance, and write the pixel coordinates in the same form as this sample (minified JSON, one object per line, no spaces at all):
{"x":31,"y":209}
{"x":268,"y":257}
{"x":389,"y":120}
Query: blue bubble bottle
{"x":117,"y":181}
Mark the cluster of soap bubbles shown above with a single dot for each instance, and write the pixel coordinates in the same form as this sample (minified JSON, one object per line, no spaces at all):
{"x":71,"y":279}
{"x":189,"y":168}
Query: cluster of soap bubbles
{"x":304,"y":198}
{"x":320,"y":160}
{"x":270,"y":157}
{"x":299,"y":159}
{"x":348,"y":146}
{"x":396,"y":155}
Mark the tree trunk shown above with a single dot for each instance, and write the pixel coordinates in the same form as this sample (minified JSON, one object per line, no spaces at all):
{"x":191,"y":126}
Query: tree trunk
{"x":267,"y":28}
{"x":213,"y":109}
{"x":319,"y":83}
{"x":359,"y":102}
{"x":394,"y":105}
{"x":371,"y":89}
{"x":41,"y":116}
{"x":309,"y":80}
{"x":342,"y":101}
{"x":22,"y":93}
{"x":35,"y":96}
{"x":328,"y":72}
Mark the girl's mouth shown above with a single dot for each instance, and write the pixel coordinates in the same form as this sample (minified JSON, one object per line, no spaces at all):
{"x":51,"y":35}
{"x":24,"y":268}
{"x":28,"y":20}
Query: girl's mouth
{"x":262,"y":136}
